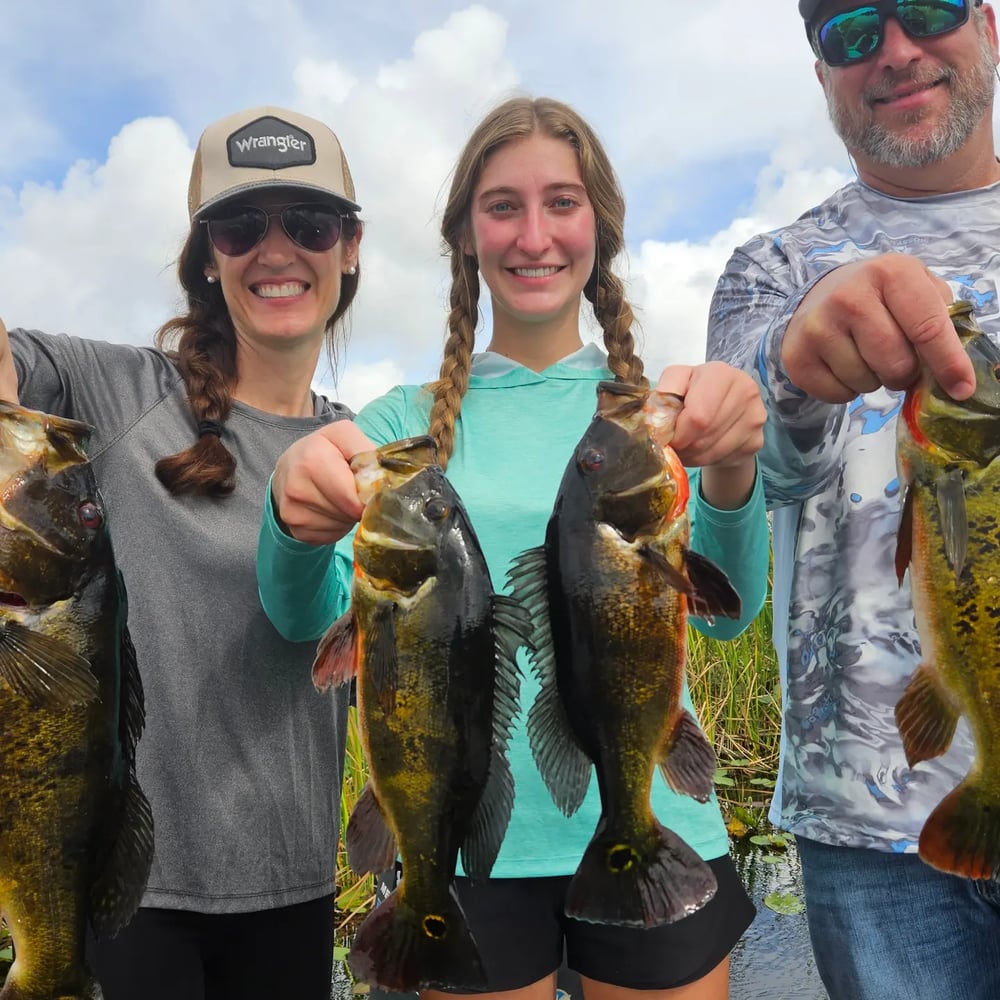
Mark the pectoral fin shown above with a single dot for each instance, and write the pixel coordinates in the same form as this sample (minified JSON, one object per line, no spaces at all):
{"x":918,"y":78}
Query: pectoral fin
{"x":336,"y":655}
{"x":926,"y":717}
{"x":45,"y":671}
{"x":904,"y":536}
{"x":706,"y":587}
{"x":950,"y":489}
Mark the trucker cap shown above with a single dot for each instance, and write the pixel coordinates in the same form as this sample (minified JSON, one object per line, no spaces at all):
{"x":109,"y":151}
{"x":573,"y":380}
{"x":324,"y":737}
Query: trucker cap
{"x":268,"y":147}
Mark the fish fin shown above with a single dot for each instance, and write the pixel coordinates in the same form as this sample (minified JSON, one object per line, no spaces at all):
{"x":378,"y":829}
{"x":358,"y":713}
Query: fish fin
{"x":638,"y":879}
{"x":689,"y":762}
{"x":511,"y":629}
{"x":713,"y":593}
{"x":491,"y":817}
{"x":560,"y":760}
{"x":370,"y":844}
{"x":926,"y":717}
{"x":950,"y":490}
{"x":336,"y":654}
{"x":381,"y":662}
{"x":45,"y":671}
{"x":117,"y":891}
{"x":904,"y":536}
{"x":706,"y":587}
{"x":401,"y":950}
{"x":962,"y":834}
{"x":132,"y":719}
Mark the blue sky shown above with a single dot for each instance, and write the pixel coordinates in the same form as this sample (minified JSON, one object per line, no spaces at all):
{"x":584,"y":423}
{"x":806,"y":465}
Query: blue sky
{"x":710,"y":111}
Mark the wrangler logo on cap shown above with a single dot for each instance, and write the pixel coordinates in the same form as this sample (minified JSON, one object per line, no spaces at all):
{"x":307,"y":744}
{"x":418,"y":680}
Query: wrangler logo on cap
{"x":270,"y":144}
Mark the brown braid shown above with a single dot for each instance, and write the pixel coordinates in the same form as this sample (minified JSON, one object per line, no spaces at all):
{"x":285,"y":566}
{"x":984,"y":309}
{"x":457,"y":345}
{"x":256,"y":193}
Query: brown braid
{"x":615,"y":315}
{"x":453,"y":379}
{"x":205,"y":355}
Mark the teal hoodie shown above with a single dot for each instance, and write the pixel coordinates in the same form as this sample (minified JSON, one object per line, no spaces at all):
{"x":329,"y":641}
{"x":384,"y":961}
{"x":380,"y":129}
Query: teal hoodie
{"x":515,"y":434}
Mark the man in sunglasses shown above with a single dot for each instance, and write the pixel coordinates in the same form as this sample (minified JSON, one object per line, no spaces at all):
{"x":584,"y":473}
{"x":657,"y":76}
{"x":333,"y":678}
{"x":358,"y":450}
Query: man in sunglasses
{"x":833,"y":315}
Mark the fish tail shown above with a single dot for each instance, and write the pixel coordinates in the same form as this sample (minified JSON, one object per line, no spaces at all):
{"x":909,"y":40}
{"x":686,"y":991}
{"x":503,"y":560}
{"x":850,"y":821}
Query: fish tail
{"x":400,"y":949}
{"x":644,"y":879}
{"x":962,"y":835}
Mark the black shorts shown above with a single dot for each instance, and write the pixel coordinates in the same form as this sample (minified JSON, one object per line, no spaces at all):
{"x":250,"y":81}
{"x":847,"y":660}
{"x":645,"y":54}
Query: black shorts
{"x":521,"y":930}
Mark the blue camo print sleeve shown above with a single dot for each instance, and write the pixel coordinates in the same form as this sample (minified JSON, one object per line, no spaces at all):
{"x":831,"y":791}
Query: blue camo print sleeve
{"x":843,"y":627}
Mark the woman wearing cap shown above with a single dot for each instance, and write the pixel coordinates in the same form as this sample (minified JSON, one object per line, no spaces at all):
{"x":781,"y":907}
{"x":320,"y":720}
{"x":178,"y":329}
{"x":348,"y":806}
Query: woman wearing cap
{"x":240,"y":759}
{"x":535,"y":212}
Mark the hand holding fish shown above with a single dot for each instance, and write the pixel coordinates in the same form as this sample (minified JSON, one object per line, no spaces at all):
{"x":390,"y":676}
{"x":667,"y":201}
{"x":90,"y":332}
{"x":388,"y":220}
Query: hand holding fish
{"x":873,"y":323}
{"x":313,"y":487}
{"x":720,"y":428}
{"x":8,"y":374}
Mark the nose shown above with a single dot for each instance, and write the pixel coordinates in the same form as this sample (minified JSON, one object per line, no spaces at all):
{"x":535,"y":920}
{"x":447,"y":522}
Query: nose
{"x":533,"y":236}
{"x":898,"y":49}
{"x":276,"y":247}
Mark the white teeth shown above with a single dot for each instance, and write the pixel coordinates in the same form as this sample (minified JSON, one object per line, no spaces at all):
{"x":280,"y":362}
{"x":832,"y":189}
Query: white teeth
{"x":280,"y":291}
{"x":534,"y":272}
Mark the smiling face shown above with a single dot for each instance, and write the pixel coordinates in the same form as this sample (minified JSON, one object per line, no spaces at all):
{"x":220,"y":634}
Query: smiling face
{"x":531,"y":228}
{"x":279,"y":294}
{"x":915,"y":101}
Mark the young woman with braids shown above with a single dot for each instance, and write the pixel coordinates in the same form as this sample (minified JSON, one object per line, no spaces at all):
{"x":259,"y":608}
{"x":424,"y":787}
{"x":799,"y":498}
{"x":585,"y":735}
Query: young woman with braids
{"x":240,"y":760}
{"x":535,"y":211}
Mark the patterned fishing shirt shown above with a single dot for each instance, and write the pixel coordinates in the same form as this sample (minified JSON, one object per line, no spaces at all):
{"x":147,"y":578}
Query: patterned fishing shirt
{"x":844,"y":630}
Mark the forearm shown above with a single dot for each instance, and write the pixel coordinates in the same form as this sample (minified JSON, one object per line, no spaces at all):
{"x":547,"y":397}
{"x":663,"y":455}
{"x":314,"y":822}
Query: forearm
{"x":300,"y":585}
{"x":738,"y":541}
{"x":803,"y":437}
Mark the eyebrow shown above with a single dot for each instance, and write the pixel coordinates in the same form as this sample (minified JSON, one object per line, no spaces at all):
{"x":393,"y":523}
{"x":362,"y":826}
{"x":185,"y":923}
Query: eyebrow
{"x":507,"y":190}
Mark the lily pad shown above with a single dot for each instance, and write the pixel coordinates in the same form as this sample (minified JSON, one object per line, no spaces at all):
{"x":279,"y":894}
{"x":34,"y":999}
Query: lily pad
{"x":784,"y":902}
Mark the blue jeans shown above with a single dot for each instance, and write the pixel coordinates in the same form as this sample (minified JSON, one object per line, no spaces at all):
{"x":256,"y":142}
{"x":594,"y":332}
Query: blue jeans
{"x":887,"y":926}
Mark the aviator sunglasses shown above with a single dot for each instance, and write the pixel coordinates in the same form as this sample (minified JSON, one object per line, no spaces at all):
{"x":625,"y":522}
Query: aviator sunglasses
{"x":315,"y":228}
{"x":855,"y":34}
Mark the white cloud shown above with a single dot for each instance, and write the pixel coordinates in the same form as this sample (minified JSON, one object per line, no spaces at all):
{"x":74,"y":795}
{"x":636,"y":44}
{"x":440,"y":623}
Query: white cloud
{"x":92,"y":250}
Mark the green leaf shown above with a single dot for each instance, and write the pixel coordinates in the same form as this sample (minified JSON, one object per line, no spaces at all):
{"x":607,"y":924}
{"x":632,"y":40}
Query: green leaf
{"x":783,"y":902}
{"x":7,"y":954}
{"x":340,"y":952}
{"x":721,"y":779}
{"x":772,"y":859}
{"x":763,"y":782}
{"x":739,"y":762}
{"x":761,"y":840}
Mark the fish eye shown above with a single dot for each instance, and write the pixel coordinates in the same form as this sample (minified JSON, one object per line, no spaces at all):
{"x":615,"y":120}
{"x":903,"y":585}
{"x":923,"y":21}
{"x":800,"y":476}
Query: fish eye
{"x":996,"y":373}
{"x":90,"y":515}
{"x":592,"y":459}
{"x":436,"y":509}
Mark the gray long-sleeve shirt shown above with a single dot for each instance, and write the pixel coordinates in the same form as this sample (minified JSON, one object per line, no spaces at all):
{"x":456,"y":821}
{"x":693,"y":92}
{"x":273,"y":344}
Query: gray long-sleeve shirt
{"x":241,"y":758}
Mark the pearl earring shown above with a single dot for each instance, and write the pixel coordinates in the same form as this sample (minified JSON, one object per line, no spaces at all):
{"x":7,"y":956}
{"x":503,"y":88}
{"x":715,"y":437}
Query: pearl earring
{"x":211,"y":279}
{"x":351,"y":270}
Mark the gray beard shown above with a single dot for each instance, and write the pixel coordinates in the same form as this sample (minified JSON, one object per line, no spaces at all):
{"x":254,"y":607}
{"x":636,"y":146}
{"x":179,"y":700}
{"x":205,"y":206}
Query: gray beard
{"x":971,"y":99}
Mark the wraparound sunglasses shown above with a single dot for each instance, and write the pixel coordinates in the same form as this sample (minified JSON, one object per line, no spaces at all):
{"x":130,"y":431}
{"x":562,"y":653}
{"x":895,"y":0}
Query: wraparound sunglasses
{"x":315,"y":228}
{"x":855,"y":34}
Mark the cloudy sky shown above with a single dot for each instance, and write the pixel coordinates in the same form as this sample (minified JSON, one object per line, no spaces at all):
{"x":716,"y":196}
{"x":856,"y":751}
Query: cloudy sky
{"x":710,"y":112}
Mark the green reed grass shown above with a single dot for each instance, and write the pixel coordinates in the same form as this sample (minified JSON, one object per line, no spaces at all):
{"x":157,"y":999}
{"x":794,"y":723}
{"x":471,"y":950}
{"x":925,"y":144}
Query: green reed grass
{"x":734,"y":687}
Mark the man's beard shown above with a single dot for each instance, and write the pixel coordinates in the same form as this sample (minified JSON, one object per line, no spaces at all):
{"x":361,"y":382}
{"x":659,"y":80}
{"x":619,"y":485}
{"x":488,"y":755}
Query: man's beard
{"x":971,"y":98}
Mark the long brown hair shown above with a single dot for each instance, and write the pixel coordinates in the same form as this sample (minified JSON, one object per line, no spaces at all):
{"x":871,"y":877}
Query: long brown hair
{"x":202,"y":343}
{"x":514,"y":119}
